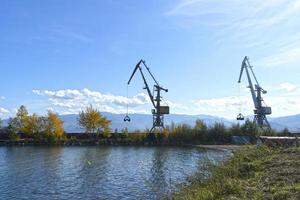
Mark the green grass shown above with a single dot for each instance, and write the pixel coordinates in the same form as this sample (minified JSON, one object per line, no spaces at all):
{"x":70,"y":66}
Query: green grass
{"x":252,"y":173}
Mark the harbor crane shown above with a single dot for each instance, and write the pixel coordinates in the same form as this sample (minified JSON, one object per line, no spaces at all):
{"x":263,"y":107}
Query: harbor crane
{"x":256,"y":90}
{"x":159,"y":111}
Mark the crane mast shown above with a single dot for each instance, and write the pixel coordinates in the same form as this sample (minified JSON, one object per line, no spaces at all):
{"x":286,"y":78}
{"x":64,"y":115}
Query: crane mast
{"x":155,"y":98}
{"x":260,"y":111}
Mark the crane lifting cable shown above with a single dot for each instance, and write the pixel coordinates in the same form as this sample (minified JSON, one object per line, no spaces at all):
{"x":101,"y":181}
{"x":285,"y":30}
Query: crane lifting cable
{"x":240,"y":116}
{"x":127,"y":118}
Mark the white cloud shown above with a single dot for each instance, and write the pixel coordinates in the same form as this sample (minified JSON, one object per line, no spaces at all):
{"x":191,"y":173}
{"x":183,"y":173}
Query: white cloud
{"x":224,"y":106}
{"x":283,"y":98}
{"x":288,"y":87}
{"x":3,"y":111}
{"x":72,"y":101}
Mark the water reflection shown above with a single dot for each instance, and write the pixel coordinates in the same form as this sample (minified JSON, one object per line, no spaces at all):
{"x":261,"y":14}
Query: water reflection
{"x":96,"y":172}
{"x":158,"y":179}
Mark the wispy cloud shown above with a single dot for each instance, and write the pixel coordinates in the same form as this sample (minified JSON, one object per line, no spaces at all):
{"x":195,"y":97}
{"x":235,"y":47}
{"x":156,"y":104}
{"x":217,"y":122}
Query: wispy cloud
{"x":199,"y":7}
{"x":271,"y":27}
{"x":68,"y":33}
{"x":281,"y":59}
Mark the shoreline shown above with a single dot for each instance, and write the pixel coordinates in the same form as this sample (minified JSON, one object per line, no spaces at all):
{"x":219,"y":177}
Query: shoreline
{"x":232,"y":147}
{"x":105,"y":142}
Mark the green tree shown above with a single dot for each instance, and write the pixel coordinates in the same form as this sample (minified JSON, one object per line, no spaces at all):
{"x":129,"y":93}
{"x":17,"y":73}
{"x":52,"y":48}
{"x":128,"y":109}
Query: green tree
{"x":267,"y":132}
{"x":285,"y":132}
{"x":235,"y":129}
{"x":124,"y":132}
{"x":93,"y":122}
{"x":19,"y":123}
{"x":12,"y":129}
{"x":200,"y":130}
{"x":218,"y":133}
{"x":0,"y":123}
{"x":22,"y":118}
{"x":250,"y":128}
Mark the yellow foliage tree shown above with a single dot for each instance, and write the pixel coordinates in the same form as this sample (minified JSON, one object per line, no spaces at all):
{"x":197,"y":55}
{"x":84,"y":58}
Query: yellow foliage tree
{"x":93,"y":122}
{"x":33,"y":125}
{"x":54,"y":125}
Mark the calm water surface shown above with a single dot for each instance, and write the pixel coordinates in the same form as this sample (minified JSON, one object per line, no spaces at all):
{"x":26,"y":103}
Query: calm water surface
{"x":97,"y":172}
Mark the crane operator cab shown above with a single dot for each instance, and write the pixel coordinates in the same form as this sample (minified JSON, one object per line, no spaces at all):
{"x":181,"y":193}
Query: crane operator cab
{"x":240,"y":117}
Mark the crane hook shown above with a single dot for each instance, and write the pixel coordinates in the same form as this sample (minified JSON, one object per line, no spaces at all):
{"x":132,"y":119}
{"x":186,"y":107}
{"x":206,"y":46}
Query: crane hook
{"x":240,"y":117}
{"x":127,"y":118}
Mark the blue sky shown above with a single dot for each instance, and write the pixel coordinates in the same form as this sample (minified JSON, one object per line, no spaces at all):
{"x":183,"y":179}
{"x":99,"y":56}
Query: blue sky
{"x":66,"y":54}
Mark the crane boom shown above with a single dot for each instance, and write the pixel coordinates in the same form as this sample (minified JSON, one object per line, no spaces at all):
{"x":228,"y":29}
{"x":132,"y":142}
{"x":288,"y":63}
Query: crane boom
{"x":144,"y":79}
{"x":133,"y":73}
{"x":245,"y":65}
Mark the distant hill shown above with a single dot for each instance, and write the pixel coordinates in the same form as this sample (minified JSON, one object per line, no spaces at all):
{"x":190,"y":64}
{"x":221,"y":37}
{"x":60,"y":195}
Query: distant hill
{"x":142,"y":121}
{"x":291,"y":122}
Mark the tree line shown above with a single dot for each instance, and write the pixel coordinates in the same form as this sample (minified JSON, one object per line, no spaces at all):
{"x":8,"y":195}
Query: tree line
{"x":201,"y":133}
{"x":49,"y":129}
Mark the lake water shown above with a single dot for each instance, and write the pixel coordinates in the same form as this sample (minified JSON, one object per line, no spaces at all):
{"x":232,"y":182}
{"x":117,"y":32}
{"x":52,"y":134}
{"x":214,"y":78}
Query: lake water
{"x":97,"y":172}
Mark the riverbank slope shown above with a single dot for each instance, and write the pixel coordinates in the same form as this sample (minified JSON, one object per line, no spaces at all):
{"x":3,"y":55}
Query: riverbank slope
{"x":252,"y":173}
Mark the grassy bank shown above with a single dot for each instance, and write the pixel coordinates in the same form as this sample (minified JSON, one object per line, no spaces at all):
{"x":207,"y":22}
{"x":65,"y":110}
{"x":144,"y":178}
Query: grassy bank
{"x":252,"y":173}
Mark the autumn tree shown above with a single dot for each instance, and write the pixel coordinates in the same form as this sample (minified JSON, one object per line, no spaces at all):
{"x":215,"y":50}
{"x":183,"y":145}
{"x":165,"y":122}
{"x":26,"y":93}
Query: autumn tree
{"x":200,"y":125}
{"x":34,"y":125}
{"x":54,"y":125}
{"x":93,"y":122}
{"x":38,"y":127}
